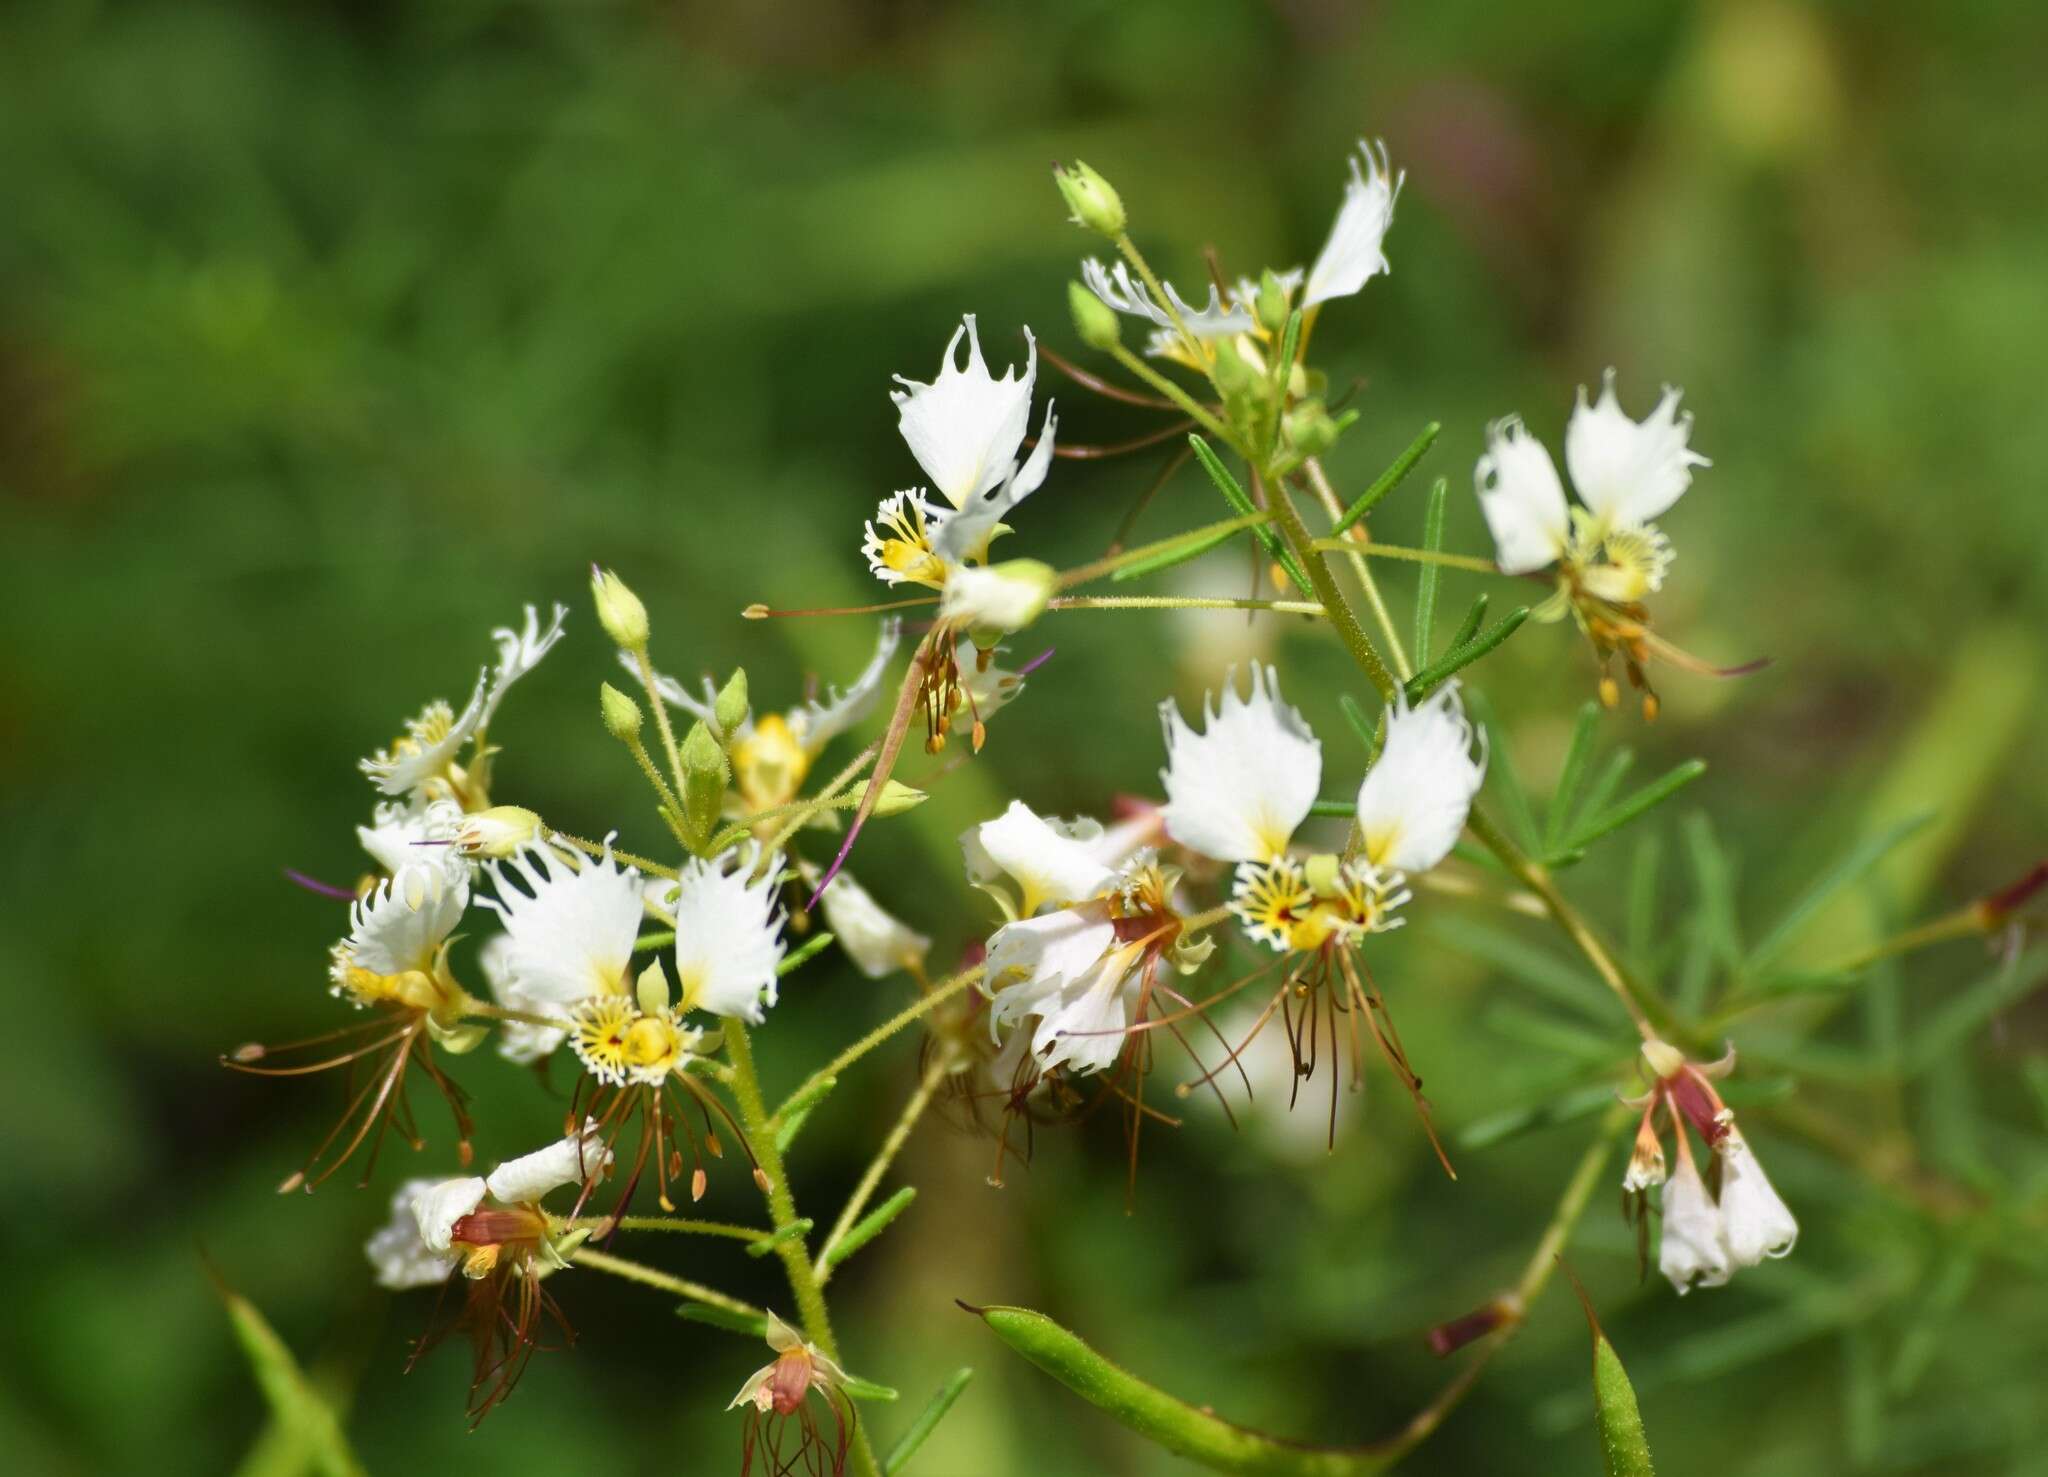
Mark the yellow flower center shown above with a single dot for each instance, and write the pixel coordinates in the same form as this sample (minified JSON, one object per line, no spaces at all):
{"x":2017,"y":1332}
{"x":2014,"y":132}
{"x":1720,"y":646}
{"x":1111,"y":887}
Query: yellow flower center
{"x":907,"y":550}
{"x":769,"y":764}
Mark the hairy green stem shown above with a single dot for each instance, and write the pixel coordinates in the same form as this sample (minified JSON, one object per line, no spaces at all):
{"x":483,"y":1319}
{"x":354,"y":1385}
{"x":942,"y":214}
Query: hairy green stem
{"x":696,"y":1292}
{"x":921,"y":1006}
{"x":1414,"y":556}
{"x":1192,"y":407}
{"x":941,"y":1063}
{"x":1353,"y":542}
{"x":1178,"y":602}
{"x":1335,"y":607}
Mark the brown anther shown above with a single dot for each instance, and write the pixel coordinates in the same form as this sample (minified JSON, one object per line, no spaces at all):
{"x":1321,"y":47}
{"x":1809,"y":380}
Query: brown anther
{"x":1447,"y":1338}
{"x":253,"y":1052}
{"x":291,"y":1182}
{"x":1610,"y":692}
{"x":761,"y":1179}
{"x":698,"y":1180}
{"x":980,"y":735}
{"x":1650,"y":707}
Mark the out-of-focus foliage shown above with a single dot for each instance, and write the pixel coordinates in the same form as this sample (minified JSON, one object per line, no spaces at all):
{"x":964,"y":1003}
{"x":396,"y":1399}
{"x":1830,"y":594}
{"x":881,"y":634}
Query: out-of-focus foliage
{"x":331,"y":333}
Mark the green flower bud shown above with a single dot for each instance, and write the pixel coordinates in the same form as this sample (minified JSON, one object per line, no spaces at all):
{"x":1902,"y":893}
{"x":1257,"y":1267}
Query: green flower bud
{"x":1095,"y":321}
{"x":704,"y":780}
{"x":619,"y":610}
{"x":499,"y":831}
{"x":1234,"y":377}
{"x":730,"y":708}
{"x":622,"y":718}
{"x":1310,"y":429}
{"x":1272,"y":305}
{"x":1091,"y":198}
{"x":897,"y":797}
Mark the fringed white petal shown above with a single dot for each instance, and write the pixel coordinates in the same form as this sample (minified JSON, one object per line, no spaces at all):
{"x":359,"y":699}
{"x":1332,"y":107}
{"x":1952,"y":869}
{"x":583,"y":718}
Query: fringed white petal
{"x":728,"y":937}
{"x":1354,"y":253}
{"x":1002,"y":598}
{"x":1413,"y":804}
{"x":1237,"y":791}
{"x":397,"y":1251}
{"x":901,"y":549}
{"x":964,"y":427}
{"x":571,"y":931}
{"x":816,"y":724}
{"x":1628,"y":472}
{"x":1048,"y":864}
{"x":676,"y":695}
{"x":439,"y":1206}
{"x":567,"y":1161}
{"x":878,"y":942}
{"x":404,"y":832}
{"x":1080,"y":989}
{"x":1127,"y":294}
{"x":519,"y":652}
{"x":964,"y":535}
{"x":430,"y":745}
{"x":1522,"y":499}
{"x":403,"y":923}
{"x":519,"y":1041}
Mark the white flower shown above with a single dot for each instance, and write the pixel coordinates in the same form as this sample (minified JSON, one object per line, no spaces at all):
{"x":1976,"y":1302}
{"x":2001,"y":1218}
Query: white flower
{"x":519,"y":1041}
{"x":403,"y":832}
{"x":398,"y":1253}
{"x":1693,"y":1251}
{"x":1076,"y":982}
{"x":878,"y":942}
{"x":1754,"y":1220}
{"x":1127,"y":294}
{"x":1522,"y":499}
{"x":571,"y":930}
{"x":571,"y":1160}
{"x":964,"y":427}
{"x":900,"y":551}
{"x":432,"y":740}
{"x":817,"y":722}
{"x":1353,"y":255}
{"x":401,"y":926}
{"x":1237,"y":791}
{"x":1054,"y":863}
{"x":1626,"y":473}
{"x":439,"y":1206}
{"x":1412,"y":805}
{"x":729,"y":936}
{"x":1002,"y":597}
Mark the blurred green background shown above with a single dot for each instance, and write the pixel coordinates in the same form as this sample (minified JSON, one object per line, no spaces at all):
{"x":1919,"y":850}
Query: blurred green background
{"x":332,"y":333}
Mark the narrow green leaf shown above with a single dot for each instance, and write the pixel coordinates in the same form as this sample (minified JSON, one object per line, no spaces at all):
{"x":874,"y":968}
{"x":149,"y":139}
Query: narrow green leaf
{"x":753,"y":1326}
{"x":1550,"y":975}
{"x":1335,"y":809}
{"x":1502,"y":776}
{"x":1496,"y":1128}
{"x":1557,"y":816}
{"x":803,"y":953}
{"x":1641,"y":802}
{"x":1846,"y":872}
{"x":1372,"y":732}
{"x":1642,"y":907}
{"x":1193,"y":548}
{"x":303,"y":1417}
{"x":1967,"y":1013}
{"x":796,"y":1230}
{"x":1460,"y":657}
{"x":927,"y":1421}
{"x":1425,"y":589}
{"x":1290,"y":345}
{"x":1179,"y":1427}
{"x":1390,"y":479}
{"x":1551,"y":1035}
{"x":1608,"y":781}
{"x":861,"y":1389}
{"x":871,"y":1225}
{"x":1239,"y":499}
{"x":789,"y":1118}
{"x":1469,"y":626}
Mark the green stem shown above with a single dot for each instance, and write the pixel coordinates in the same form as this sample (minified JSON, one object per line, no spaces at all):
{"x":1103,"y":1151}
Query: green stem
{"x":1201,"y":1436}
{"x":644,"y":666}
{"x":924,"y":1004}
{"x":1413,"y":556}
{"x":1354,"y":546}
{"x":796,"y":1262}
{"x":597,"y":849}
{"x":1536,"y":878}
{"x":927,"y":1088}
{"x":1136,"y":258}
{"x":1178,"y":602}
{"x":1188,"y":404}
{"x":696,"y":1292}
{"x":1110,"y":564}
{"x":1335,"y":607}
{"x":665,"y":1223}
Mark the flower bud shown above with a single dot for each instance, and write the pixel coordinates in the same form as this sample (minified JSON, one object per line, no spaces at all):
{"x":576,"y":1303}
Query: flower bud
{"x":619,"y":610}
{"x":1310,"y":429}
{"x":622,"y":718}
{"x":1664,"y":1059}
{"x":730,"y":707}
{"x":1234,"y":376}
{"x":1002,"y":597}
{"x":1094,"y":320}
{"x":897,"y":797}
{"x":499,"y":831}
{"x":1272,"y":307}
{"x":1091,"y":198}
{"x":704,"y":779}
